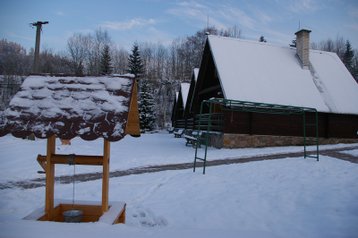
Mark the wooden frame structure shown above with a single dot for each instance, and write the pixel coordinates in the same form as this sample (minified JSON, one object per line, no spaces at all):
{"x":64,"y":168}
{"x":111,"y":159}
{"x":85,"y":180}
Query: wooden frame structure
{"x":91,"y":212}
{"x":90,"y":108}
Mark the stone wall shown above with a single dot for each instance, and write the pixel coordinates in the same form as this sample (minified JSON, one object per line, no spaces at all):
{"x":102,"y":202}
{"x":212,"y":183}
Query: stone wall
{"x":242,"y":140}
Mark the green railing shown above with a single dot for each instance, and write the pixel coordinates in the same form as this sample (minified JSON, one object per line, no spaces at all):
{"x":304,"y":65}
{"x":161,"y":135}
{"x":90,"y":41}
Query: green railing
{"x":209,"y":121}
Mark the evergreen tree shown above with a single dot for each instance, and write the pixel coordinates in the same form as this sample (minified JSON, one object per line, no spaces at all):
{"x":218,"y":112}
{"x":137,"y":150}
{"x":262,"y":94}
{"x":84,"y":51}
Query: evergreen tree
{"x":146,"y":107}
{"x":106,"y":61}
{"x":294,"y":43}
{"x":348,"y":57}
{"x":262,"y":39}
{"x":135,"y":62}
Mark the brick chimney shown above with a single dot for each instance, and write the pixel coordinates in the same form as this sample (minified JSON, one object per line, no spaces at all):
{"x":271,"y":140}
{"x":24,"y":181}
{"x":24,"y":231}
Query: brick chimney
{"x":303,"y":47}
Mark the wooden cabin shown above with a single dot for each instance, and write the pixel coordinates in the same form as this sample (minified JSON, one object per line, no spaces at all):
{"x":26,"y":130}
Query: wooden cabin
{"x":178,"y":120}
{"x":257,"y":72}
{"x":66,"y":107}
{"x":188,"y":115}
{"x":182,"y":116}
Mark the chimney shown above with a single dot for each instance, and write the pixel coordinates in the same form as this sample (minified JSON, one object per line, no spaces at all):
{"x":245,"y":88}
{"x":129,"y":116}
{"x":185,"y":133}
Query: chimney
{"x":303,"y":47}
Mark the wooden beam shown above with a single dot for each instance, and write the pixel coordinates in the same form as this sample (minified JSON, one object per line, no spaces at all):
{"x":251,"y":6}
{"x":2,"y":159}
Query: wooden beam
{"x":105,"y":175}
{"x":50,"y":177}
{"x":65,"y":159}
{"x":132,"y":126}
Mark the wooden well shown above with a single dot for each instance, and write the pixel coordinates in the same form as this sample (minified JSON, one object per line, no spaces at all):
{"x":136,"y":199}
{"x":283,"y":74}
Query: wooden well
{"x":91,"y":213}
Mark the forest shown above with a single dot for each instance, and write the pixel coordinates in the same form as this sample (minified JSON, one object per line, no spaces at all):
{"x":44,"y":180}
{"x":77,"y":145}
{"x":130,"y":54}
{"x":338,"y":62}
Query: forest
{"x":161,"y":67}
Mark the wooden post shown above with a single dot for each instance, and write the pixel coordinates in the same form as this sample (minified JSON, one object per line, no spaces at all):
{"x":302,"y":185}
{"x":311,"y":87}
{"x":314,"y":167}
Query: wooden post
{"x":105,"y":176}
{"x":50,"y":177}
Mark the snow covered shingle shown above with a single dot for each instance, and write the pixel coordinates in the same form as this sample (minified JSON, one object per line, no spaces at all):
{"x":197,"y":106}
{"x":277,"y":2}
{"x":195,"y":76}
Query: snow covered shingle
{"x":89,"y":107}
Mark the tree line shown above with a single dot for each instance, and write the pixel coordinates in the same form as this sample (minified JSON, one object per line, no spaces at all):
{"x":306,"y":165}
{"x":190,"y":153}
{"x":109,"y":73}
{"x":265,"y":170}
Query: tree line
{"x":163,"y":67}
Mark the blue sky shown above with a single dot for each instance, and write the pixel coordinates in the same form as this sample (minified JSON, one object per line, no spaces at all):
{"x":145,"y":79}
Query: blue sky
{"x":158,"y":20}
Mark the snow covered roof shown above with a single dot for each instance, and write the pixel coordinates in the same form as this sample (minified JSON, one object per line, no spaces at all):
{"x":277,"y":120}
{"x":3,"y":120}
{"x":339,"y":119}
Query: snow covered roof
{"x":261,"y":72}
{"x":196,"y":73}
{"x":89,"y":107}
{"x":184,"y":89}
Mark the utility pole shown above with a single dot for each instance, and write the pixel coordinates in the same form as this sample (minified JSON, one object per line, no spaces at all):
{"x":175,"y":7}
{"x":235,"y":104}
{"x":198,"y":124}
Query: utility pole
{"x":37,"y":45}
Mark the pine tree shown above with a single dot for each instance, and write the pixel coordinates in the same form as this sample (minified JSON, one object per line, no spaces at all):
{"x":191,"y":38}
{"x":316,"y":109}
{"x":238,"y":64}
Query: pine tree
{"x":146,"y":107}
{"x":348,"y":57}
{"x":262,"y":39}
{"x":106,"y":61}
{"x":135,"y":62}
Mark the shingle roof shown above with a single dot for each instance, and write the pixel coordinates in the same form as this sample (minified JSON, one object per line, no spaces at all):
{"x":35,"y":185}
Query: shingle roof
{"x":89,"y":107}
{"x":261,"y":72}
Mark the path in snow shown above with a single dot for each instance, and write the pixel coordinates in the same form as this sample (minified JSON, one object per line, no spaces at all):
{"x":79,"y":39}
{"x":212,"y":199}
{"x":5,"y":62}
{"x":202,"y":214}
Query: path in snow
{"x":40,"y":182}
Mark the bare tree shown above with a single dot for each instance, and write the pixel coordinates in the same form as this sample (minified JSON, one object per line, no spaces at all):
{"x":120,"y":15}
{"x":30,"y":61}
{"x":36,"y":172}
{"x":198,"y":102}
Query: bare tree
{"x":79,"y":46}
{"x":120,"y":60}
{"x":99,"y":40}
{"x":13,"y":59}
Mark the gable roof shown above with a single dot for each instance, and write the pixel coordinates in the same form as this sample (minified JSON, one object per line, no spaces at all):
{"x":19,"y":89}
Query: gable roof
{"x":184,"y":91}
{"x":89,"y":107}
{"x":187,"y":106}
{"x":260,"y":72}
{"x":195,"y":74}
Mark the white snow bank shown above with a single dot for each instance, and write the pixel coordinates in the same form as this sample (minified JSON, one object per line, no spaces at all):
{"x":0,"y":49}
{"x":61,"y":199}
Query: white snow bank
{"x":127,"y":153}
{"x":278,"y":198}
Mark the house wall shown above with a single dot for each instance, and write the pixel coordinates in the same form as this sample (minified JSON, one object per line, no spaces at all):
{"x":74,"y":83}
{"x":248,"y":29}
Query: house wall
{"x":329,"y":125}
{"x":245,"y":129}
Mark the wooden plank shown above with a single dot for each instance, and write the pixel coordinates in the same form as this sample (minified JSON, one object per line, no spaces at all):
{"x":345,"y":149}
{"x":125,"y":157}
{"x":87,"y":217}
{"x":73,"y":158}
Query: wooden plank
{"x":132,"y":126}
{"x":91,"y":213}
{"x":78,"y":159}
{"x":105,"y":175}
{"x":121,"y":218}
{"x":41,"y":159}
{"x":88,"y":210}
{"x":50,"y":177}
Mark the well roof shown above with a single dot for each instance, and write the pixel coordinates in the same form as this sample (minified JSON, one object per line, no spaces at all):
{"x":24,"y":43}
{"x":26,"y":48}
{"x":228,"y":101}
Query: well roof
{"x":88,"y":107}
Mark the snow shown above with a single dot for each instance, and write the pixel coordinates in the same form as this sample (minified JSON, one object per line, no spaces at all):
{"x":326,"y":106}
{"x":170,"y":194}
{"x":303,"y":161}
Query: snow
{"x":329,"y":68}
{"x":196,"y":73}
{"x":80,"y":103}
{"x":184,"y":89}
{"x":280,"y":78}
{"x":49,"y":90}
{"x":351,"y":152}
{"x":292,"y":197}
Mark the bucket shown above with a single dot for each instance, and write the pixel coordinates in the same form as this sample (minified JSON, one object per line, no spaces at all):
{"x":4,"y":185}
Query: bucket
{"x":72,"y":216}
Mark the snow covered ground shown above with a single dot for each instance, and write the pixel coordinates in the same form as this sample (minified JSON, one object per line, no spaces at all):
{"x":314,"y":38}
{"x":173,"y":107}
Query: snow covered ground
{"x":292,"y":197}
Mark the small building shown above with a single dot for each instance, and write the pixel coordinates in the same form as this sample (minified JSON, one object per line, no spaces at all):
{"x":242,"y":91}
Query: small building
{"x":188,"y":115}
{"x":66,"y":107}
{"x":257,"y":72}
{"x":178,"y":120}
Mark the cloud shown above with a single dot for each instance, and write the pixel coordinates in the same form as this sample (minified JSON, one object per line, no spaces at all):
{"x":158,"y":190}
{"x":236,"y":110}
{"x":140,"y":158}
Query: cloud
{"x":127,"y":25}
{"x":353,"y":12}
{"x":60,"y":13}
{"x":262,"y":16}
{"x":299,"y":6}
{"x":190,"y":11}
{"x":219,"y":15}
{"x":236,"y":15}
{"x":353,"y":26}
